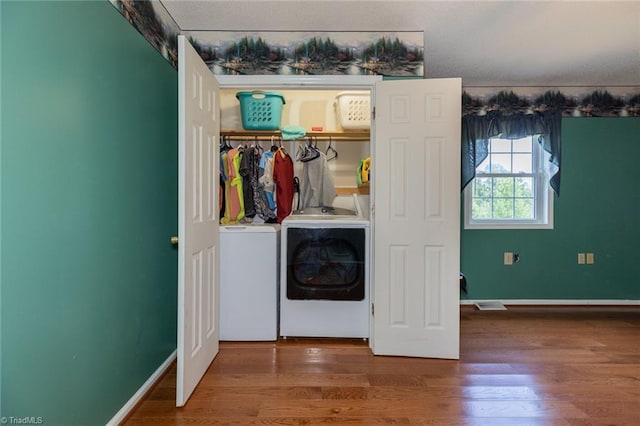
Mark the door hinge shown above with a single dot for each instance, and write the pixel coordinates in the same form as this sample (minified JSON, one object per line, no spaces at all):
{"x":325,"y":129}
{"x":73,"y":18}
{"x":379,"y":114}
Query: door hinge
{"x":373,"y":114}
{"x":373,"y":310}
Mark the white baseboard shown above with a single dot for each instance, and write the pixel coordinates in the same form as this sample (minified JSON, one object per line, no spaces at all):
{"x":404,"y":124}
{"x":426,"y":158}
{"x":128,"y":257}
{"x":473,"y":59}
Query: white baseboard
{"x":135,"y":399}
{"x":551,"y":302}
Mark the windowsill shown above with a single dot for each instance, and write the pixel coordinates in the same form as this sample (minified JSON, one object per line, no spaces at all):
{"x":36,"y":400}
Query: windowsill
{"x":494,"y":226}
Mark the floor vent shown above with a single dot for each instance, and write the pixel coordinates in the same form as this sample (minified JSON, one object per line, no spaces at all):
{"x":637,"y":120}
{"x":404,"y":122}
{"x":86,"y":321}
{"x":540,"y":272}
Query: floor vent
{"x":490,"y":306}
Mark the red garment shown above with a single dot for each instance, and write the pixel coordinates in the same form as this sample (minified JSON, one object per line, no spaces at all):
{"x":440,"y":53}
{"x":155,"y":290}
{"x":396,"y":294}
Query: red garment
{"x":283,"y":177}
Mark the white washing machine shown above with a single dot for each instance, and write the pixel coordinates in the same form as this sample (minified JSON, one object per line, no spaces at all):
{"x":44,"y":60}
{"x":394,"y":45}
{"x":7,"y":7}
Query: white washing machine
{"x":249,"y":273}
{"x":324,"y":285}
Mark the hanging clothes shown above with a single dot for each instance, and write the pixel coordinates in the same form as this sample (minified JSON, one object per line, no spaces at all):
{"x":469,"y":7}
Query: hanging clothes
{"x":266,"y":178}
{"x":248,"y":169}
{"x":283,"y":178}
{"x":242,"y":197}
{"x":316,"y":183}
{"x":234,"y":208}
{"x":261,"y":204}
{"x":224,"y":172}
{"x":224,"y":148}
{"x":364,"y":171}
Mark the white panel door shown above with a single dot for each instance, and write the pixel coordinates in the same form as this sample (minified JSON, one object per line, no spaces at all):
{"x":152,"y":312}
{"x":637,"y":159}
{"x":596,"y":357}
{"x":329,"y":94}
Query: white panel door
{"x":417,"y":218}
{"x":198,"y":289}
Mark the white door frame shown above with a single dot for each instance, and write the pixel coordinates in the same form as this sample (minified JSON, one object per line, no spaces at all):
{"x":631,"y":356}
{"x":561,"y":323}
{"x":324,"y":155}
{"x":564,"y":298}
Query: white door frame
{"x":326,"y":82}
{"x":320,"y":82}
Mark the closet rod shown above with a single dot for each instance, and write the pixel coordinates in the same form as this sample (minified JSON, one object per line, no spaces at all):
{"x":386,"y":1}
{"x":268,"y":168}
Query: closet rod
{"x":267,"y":135}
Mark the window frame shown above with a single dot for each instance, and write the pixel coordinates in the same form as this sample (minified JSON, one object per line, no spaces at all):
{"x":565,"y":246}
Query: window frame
{"x":543,"y":198}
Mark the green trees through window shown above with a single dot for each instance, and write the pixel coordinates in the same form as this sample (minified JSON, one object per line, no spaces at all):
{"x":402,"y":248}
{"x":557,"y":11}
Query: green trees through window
{"x":504,"y":198}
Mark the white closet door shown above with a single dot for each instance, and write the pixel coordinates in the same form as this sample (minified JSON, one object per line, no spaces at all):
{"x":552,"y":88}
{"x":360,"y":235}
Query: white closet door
{"x":417,"y":218}
{"x":198,"y":227}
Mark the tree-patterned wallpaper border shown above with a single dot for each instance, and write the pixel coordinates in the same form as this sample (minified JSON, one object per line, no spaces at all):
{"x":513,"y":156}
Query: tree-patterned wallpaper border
{"x":573,"y":101}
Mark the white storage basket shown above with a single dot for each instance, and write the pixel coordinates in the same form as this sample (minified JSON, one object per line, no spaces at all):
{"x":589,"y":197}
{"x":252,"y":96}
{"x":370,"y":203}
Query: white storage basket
{"x":353,"y":110}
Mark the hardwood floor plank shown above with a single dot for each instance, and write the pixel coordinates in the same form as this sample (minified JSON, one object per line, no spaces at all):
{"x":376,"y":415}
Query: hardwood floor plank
{"x":628,"y":408}
{"x":488,"y":421}
{"x":529,"y":409}
{"x":500,"y":393}
{"x":266,"y":393}
{"x":595,"y":393}
{"x":345,"y":393}
{"x":314,"y":377}
{"x":601,"y":421}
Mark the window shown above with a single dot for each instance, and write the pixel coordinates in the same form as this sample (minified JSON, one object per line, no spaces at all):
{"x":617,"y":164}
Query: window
{"x":511,"y":188}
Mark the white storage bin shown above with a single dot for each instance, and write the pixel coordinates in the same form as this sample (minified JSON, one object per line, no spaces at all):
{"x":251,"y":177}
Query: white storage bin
{"x":353,"y":110}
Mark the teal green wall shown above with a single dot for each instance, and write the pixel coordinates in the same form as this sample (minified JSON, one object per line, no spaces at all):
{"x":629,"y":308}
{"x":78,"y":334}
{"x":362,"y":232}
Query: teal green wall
{"x":89,"y":184}
{"x":598,"y":211}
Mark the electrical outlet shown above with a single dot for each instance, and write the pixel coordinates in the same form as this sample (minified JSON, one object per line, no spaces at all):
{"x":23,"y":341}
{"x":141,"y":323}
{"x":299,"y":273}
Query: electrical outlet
{"x":581,"y":260}
{"x":590,"y":259}
{"x":508,"y":258}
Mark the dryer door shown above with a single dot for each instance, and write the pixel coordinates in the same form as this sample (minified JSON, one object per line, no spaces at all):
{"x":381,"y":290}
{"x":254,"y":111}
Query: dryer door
{"x":326,"y":264}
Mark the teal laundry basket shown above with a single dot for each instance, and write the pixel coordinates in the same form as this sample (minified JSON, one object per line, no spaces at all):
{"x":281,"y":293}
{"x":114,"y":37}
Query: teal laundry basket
{"x":260,"y":110}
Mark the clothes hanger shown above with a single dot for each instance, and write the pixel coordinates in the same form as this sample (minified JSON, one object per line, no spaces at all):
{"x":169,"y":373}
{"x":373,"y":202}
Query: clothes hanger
{"x":281,"y":150}
{"x":310,"y":152}
{"x":331,"y":153}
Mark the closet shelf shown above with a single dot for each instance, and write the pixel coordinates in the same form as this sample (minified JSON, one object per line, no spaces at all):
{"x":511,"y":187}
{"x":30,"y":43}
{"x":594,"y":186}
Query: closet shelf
{"x":360,"y":135}
{"x":348,"y":190}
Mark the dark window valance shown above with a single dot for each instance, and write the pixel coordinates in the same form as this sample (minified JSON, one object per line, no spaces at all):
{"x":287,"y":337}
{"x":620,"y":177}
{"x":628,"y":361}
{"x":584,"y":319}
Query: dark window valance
{"x":478,"y":129}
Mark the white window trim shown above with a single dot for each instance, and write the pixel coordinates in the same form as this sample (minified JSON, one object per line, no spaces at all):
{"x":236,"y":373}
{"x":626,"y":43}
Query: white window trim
{"x":544,"y":212}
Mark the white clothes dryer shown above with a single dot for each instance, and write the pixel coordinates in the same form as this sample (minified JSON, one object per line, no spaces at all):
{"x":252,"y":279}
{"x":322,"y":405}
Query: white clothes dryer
{"x":324,"y":285}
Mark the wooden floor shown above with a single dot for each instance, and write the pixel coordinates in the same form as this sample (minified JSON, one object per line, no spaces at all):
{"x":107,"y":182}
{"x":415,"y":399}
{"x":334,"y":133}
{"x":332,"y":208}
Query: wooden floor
{"x":524,"y":366}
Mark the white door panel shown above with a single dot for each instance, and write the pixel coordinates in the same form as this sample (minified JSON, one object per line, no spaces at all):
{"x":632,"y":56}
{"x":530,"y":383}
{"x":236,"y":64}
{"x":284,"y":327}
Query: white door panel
{"x":198,"y":272}
{"x":417,"y":218}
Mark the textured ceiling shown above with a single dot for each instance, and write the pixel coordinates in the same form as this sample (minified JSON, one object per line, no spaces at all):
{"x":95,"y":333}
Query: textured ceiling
{"x":487,"y":43}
